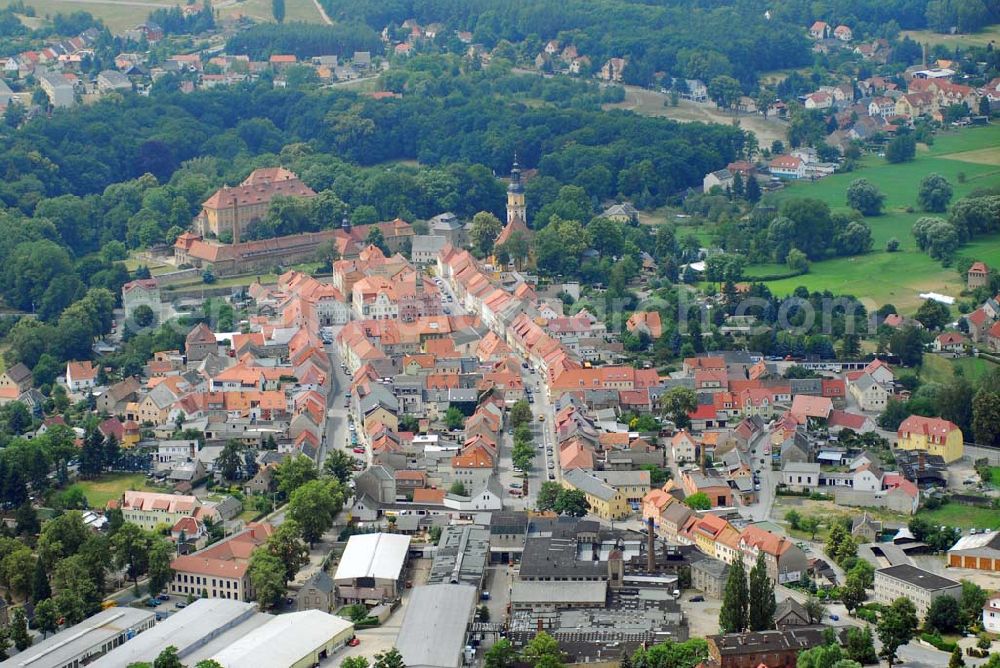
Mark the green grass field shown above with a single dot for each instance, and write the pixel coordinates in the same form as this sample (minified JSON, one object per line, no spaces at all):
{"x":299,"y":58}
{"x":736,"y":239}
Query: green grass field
{"x":965,"y":517}
{"x":120,"y":15}
{"x":938,"y":369}
{"x":981,"y":38}
{"x":102,"y":490}
{"x":897,"y":278}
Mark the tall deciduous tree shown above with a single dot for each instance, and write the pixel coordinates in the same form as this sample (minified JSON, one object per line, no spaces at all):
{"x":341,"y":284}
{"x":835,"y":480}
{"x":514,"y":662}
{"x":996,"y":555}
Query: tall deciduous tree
{"x":733,"y":617}
{"x":865,"y":197}
{"x":267,"y":575}
{"x":278,"y":10}
{"x":760,"y":614}
{"x":896,"y":627}
{"x":934,"y":193}
{"x":484,"y":231}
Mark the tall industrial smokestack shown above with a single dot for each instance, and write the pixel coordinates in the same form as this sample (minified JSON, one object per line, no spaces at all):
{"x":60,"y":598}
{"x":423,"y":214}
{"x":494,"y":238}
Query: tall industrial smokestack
{"x":650,"y":546}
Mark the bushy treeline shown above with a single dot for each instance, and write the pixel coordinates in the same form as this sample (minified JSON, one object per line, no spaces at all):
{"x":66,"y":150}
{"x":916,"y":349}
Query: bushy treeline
{"x":305,"y":40}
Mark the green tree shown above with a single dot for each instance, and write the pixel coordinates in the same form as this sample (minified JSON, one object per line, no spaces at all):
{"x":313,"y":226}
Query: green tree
{"x":822,"y":656}
{"x":810,"y":525}
{"x":943,"y":616}
{"x":901,"y":149}
{"x":143,"y":316}
{"x":168,"y":658}
{"x":725,"y":91}
{"x":389,"y":659}
{"x":933,"y":314}
{"x":501,"y":655}
{"x":852,"y":594}
{"x":793,"y":517}
{"x":543,"y":652}
{"x":230,"y":461}
{"x":520,"y":413}
{"x":698,"y":501}
{"x":46,"y":616}
{"x":40,"y":589}
{"x":797,"y":261}
{"x":314,"y":506}
{"x":934,"y":193}
{"x":19,"y":630}
{"x":130,"y":550}
{"x":670,"y":654}
{"x":971,"y":602}
{"x":458,"y":488}
{"x":864,"y":196}
{"x":484,"y":230}
{"x":986,"y":417}
{"x":548,"y":494}
{"x":160,"y":554}
{"x":278,"y":10}
{"x":861,"y":645}
{"x":676,"y":403}
{"x":760,"y":614}
{"x":454,"y":418}
{"x":956,"y":660}
{"x":354,"y":662}
{"x":572,"y":502}
{"x":896,"y":627}
{"x":734,"y":615}
{"x":267,"y":575}
{"x":295,"y":472}
{"x":339,"y":465}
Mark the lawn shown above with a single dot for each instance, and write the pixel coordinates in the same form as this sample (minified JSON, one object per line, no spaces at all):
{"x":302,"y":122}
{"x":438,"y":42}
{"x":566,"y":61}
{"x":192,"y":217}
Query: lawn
{"x":995,"y":476}
{"x":938,"y":369}
{"x":897,"y":278}
{"x":120,"y":15}
{"x":102,"y":490}
{"x":981,"y":38}
{"x":965,"y":517}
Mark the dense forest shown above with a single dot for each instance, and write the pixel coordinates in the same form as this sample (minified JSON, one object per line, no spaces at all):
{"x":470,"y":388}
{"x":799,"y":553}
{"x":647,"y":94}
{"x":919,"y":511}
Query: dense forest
{"x":305,"y":40}
{"x":698,"y":40}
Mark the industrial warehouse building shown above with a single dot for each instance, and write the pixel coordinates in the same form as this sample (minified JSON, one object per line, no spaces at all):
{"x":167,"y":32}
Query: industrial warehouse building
{"x":371,"y":568}
{"x":441,"y":612}
{"x":235,"y":635}
{"x":94,"y":636}
{"x":978,"y":551}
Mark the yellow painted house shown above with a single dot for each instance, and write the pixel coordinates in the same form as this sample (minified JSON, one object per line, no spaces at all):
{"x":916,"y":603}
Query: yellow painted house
{"x":605,"y":501}
{"x":931,"y":435}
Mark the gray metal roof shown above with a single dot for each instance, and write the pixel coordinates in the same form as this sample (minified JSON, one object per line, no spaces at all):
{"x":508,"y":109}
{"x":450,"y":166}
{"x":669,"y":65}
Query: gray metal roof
{"x":187,"y":630}
{"x":440,"y":612}
{"x":461,"y":555}
{"x":526,"y":593}
{"x":69,"y":645}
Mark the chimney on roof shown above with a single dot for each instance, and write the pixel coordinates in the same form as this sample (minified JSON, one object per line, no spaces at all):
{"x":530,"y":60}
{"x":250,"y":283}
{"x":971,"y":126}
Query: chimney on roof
{"x":701,"y":456}
{"x":236,"y":220}
{"x":650,"y":546}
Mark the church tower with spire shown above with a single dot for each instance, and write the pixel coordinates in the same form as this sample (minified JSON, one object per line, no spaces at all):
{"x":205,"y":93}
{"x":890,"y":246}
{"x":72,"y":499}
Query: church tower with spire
{"x":516,"y":210}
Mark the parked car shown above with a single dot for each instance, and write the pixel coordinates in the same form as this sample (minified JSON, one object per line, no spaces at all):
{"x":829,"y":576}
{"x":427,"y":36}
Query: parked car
{"x":358,"y":451}
{"x":163,"y":597}
{"x":354,"y":642}
{"x":697,"y":599}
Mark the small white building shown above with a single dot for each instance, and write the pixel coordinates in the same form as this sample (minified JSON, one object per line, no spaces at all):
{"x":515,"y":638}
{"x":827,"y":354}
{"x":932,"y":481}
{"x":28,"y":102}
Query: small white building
{"x":142,"y":292}
{"x":80,"y":376}
{"x":800,"y":476}
{"x":991,"y":614}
